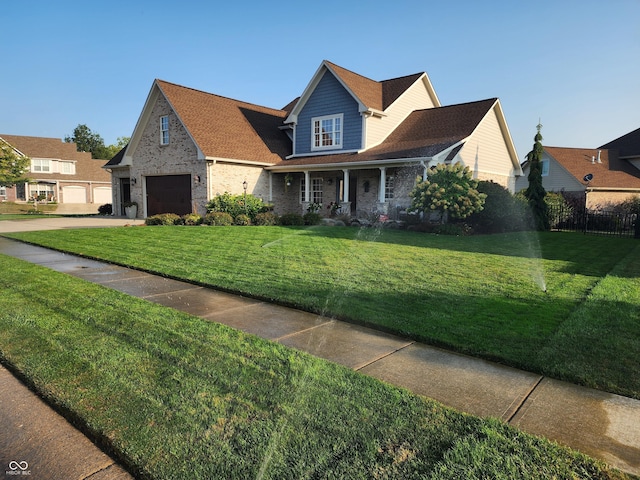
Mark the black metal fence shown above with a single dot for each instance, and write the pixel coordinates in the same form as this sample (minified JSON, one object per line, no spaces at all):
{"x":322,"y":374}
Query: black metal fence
{"x":571,"y":219}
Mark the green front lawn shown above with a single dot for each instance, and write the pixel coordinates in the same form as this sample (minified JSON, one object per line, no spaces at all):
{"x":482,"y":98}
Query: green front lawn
{"x":482,"y":295}
{"x":178,"y":397}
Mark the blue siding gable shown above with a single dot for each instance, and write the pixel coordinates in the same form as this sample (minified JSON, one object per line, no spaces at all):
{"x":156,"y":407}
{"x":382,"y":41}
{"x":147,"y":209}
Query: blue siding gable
{"x":329,"y":98}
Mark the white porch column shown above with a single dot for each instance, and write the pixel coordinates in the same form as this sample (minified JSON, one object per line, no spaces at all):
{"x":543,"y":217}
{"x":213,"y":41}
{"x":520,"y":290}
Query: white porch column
{"x":307,"y":186}
{"x":383,"y":181}
{"x":345,"y":186}
{"x":270,"y":187}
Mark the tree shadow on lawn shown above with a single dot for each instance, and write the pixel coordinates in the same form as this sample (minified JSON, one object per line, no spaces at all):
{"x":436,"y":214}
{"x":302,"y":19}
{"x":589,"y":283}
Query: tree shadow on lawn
{"x":590,"y":255}
{"x":538,"y":332}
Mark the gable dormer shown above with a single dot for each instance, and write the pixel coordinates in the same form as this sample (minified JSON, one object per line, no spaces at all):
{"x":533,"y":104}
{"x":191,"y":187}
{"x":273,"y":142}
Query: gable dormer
{"x":327,"y":118}
{"x":341,"y":111}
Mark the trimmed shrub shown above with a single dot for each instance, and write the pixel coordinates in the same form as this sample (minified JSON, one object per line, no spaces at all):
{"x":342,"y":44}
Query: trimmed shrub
{"x":242,"y":220}
{"x":502,"y":211}
{"x":218,"y":219}
{"x":192,"y":219}
{"x":163,"y":219}
{"x":106,"y":209}
{"x":312,"y":218}
{"x":291,"y":219}
{"x":266,"y":219}
{"x":458,"y":229}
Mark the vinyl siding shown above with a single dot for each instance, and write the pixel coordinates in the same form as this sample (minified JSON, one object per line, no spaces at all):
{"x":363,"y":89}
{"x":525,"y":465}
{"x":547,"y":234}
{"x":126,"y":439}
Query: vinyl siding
{"x":557,"y":180}
{"x":329,"y":98}
{"x":486,"y":153}
{"x":415,"y":98}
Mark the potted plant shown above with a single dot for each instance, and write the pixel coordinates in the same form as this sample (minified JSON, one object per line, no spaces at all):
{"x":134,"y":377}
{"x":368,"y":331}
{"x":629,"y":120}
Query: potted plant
{"x":131,"y":209}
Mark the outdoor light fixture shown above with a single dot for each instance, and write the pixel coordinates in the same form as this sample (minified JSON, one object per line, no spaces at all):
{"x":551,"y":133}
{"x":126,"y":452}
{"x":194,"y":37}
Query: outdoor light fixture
{"x":133,"y":181}
{"x":196,"y":179}
{"x":329,"y":182}
{"x":245,"y":185}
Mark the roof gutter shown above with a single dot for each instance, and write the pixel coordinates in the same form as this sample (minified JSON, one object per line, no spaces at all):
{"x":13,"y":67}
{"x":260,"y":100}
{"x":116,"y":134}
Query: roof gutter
{"x":215,"y":160}
{"x":342,"y":165}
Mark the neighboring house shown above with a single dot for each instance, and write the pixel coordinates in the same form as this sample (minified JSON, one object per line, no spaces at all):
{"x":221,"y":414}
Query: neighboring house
{"x":58,"y":173}
{"x":346,"y":139}
{"x":607,"y":175}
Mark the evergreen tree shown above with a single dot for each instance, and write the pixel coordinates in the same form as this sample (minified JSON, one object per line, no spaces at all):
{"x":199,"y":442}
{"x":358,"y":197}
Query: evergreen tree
{"x":535,"y":193}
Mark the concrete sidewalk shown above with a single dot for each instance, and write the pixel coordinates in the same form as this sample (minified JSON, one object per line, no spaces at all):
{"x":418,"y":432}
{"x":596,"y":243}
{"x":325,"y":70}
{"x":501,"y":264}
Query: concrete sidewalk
{"x":600,"y":424}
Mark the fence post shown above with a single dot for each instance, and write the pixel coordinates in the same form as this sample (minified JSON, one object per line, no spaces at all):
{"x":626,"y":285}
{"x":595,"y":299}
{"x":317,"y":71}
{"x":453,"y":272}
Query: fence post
{"x":636,"y":232}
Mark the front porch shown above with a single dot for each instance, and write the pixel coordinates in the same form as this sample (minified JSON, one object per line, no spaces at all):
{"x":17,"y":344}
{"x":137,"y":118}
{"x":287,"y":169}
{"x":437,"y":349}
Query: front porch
{"x":357,"y":193}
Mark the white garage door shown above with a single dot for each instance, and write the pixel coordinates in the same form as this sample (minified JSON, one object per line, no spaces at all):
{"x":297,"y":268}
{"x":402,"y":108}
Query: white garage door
{"x":102,"y":195}
{"x":74,"y":195}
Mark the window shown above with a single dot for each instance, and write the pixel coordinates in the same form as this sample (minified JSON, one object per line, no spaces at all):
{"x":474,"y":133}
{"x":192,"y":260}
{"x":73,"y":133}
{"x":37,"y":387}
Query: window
{"x":388,"y":187}
{"x":164,"y":130}
{"x":303,"y":189}
{"x":316,"y":190}
{"x":326,"y":132}
{"x":40,"y":165}
{"x":3,"y":192}
{"x":41,"y":191}
{"x":544,"y":164}
{"x":68,"y":168}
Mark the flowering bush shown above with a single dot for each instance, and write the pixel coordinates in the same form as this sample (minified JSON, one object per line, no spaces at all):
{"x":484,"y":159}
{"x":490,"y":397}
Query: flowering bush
{"x":449,"y":190}
{"x":314,"y":207}
{"x":333,"y":208}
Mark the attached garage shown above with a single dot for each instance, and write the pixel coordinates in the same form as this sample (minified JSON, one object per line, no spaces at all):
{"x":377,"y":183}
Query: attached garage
{"x":102,"y":195}
{"x":74,"y":194}
{"x":168,"y":194}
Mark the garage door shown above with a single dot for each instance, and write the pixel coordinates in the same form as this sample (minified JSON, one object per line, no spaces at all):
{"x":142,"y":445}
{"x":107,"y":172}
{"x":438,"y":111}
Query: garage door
{"x":169,"y":194}
{"x":74,"y":195}
{"x":102,"y":195}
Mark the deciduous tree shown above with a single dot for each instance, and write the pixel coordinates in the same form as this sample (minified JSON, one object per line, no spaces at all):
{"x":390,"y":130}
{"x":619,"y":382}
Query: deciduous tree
{"x":13,"y":166}
{"x":88,"y":141}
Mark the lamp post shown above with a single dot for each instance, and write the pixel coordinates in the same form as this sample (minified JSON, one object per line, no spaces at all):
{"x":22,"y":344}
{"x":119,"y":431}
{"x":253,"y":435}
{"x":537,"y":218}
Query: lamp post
{"x":244,"y":186}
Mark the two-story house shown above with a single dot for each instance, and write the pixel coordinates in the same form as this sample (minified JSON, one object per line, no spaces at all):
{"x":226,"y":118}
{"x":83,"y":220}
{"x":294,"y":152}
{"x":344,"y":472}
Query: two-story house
{"x":58,"y":172}
{"x":346,"y":139}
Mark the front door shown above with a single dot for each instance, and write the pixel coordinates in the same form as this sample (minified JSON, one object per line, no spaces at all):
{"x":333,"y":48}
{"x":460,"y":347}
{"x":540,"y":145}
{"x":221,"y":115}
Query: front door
{"x":353,"y":191}
{"x":125,"y":193}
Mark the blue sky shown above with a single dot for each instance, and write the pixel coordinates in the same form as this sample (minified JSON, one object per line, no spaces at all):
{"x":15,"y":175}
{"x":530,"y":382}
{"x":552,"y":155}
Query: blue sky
{"x":574,"y":64}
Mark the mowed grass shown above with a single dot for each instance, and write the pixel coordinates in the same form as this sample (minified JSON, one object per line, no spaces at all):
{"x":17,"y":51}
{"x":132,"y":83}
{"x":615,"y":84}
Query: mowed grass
{"x":174,"y":396}
{"x":564,"y":305}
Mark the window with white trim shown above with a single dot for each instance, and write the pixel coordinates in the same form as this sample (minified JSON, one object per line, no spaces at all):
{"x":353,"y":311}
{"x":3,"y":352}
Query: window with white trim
{"x":42,"y":191}
{"x":67,"y":168}
{"x":388,"y":187}
{"x":303,"y":188}
{"x":164,"y":130}
{"x":3,"y":192}
{"x":316,"y":190}
{"x":326,"y":132}
{"x":40,"y":165}
{"x":544,"y":167}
